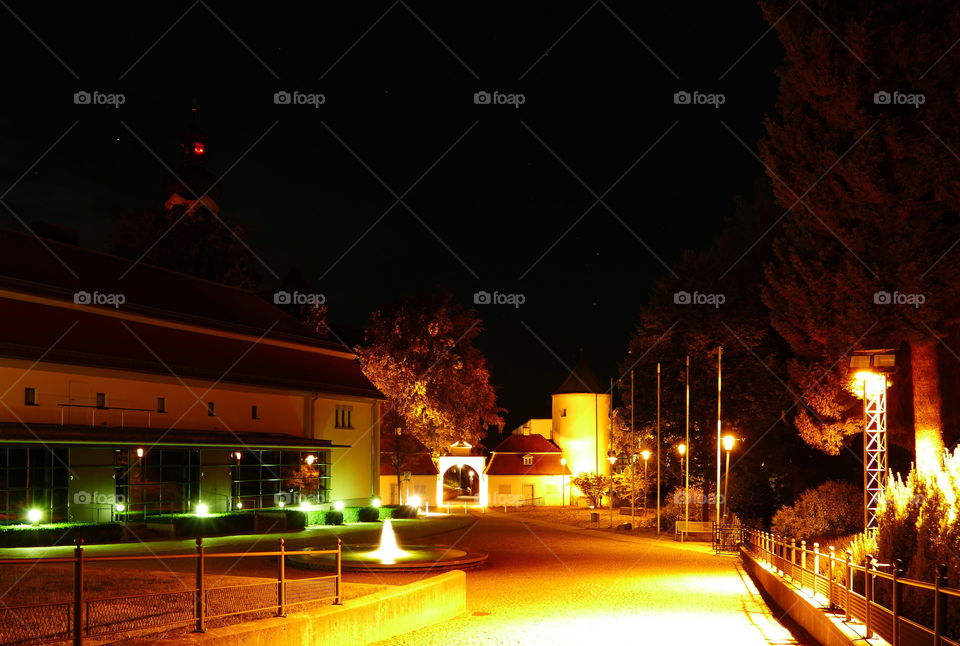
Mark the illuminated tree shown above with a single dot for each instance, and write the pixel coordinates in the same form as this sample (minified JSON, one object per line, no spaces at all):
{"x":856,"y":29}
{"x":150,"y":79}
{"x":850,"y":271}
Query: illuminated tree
{"x":420,"y":354}
{"x":594,"y":486}
{"x":879,"y":200}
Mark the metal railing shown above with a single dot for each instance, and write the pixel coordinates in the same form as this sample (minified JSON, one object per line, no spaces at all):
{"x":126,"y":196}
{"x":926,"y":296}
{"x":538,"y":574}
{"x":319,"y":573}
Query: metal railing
{"x":839,"y":584}
{"x":73,"y":621}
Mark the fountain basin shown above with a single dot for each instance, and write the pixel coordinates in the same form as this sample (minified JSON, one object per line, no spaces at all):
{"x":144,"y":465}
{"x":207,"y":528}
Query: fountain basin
{"x":416,"y":558}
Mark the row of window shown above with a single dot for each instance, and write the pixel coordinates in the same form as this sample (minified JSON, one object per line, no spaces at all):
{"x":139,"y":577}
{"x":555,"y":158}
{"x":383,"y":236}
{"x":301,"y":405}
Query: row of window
{"x":342,"y":415}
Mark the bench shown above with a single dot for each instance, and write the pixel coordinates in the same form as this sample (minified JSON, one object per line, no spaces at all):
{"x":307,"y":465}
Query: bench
{"x":693,"y":527}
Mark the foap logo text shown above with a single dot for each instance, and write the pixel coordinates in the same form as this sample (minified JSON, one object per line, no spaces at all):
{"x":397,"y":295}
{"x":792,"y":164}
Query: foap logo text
{"x":99,"y":298}
{"x":699,"y":298}
{"x":298,"y":298}
{"x":99,"y":98}
{"x":498,"y":298}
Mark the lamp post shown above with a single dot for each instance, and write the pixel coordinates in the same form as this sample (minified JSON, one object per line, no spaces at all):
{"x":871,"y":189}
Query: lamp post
{"x":612,"y":459}
{"x":682,"y":450}
{"x":728,"y":441}
{"x":563,"y":481}
{"x":645,"y":454}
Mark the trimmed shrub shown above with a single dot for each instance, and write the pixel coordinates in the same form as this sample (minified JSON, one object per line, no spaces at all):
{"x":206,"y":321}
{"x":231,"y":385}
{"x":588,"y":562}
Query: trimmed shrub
{"x":398,"y":511}
{"x":59,"y":534}
{"x":833,"y":509}
{"x":334,"y":517}
{"x":369,"y":514}
{"x":192,"y":525}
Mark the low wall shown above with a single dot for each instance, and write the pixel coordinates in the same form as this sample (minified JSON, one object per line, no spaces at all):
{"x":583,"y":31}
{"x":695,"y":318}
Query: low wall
{"x":826,"y":629}
{"x":357,"y":622}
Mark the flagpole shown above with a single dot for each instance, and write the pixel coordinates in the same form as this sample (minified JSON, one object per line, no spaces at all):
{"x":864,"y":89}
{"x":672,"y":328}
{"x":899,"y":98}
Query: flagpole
{"x":658,"y":448}
{"x":686,"y":496}
{"x":719,"y":378}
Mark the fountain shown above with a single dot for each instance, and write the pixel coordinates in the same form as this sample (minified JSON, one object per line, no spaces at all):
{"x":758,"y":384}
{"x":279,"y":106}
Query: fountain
{"x":388,"y":556}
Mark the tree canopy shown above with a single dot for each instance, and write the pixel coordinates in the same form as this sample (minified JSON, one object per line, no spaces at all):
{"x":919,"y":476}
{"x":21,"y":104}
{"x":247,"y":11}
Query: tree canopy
{"x":420,"y":353}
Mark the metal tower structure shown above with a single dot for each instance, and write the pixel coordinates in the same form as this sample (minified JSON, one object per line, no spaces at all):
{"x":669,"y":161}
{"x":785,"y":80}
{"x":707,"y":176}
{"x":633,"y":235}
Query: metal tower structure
{"x":872,"y":367}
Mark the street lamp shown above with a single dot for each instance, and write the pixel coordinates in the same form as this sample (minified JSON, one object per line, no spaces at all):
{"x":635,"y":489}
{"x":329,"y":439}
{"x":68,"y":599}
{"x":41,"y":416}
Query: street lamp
{"x":645,"y":454}
{"x":612,"y":459}
{"x":682,"y":450}
{"x":728,"y":441}
{"x":563,"y":486}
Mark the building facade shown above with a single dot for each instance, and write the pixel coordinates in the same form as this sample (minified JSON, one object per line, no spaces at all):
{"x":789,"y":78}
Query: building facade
{"x":134,"y":391}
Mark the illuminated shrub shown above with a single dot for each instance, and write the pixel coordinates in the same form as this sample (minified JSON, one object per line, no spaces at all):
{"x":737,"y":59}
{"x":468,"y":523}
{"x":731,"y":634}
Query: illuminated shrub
{"x":833,"y":509}
{"x":368,"y":514}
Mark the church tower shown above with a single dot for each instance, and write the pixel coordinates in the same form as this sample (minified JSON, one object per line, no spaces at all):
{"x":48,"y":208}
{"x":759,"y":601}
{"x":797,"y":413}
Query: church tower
{"x":581,"y":420}
{"x":191,"y":185}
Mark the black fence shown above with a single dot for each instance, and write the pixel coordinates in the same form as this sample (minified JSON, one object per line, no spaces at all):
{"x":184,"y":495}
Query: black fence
{"x":42,"y":623}
{"x":865,"y":592}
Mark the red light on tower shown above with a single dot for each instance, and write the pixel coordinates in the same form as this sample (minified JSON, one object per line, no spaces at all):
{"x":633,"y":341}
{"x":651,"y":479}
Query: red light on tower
{"x":198,"y":148}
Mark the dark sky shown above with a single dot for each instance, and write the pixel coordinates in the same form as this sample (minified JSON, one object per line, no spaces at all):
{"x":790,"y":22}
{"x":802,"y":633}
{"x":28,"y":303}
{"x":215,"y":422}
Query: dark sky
{"x":496,"y":209}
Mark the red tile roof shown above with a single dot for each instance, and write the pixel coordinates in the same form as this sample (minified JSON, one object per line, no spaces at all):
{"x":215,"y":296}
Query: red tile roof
{"x":57,"y":270}
{"x":87,"y":338}
{"x":511,"y":464}
{"x":533,"y":443}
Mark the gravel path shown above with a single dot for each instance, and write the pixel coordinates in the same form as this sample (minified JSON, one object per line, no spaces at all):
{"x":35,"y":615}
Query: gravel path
{"x":549,"y":584}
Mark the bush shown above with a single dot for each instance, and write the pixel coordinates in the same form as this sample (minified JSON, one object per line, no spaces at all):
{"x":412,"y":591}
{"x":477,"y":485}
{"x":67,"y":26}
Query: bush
{"x":592,"y":485}
{"x":398,"y":511}
{"x":674,"y":508}
{"x":237,"y":522}
{"x":333,"y":517}
{"x":59,"y":534}
{"x":369,"y":514}
{"x":833,"y":509}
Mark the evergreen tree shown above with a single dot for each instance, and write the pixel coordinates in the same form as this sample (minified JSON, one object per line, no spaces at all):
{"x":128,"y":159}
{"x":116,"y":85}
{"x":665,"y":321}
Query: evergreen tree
{"x":871,"y":195}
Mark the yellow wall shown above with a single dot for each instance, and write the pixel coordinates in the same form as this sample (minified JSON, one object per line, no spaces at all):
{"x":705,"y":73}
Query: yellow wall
{"x":279,"y":411}
{"x":356,"y":469}
{"x":542,"y":427}
{"x":584,"y":433}
{"x":423,"y":486}
{"x":509,"y":489}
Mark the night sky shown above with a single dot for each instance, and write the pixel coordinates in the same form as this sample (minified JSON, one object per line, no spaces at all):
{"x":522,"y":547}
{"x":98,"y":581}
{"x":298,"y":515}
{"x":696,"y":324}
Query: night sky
{"x":503,"y":198}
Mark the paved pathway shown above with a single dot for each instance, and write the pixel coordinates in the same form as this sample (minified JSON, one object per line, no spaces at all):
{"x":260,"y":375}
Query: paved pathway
{"x":548,"y":584}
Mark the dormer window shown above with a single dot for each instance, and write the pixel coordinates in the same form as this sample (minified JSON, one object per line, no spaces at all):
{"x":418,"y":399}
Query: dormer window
{"x":528,"y":460}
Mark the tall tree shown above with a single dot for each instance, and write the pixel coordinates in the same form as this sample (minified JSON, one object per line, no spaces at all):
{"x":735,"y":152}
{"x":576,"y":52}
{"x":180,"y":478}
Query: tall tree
{"x":420,"y":354}
{"x":872,"y":197}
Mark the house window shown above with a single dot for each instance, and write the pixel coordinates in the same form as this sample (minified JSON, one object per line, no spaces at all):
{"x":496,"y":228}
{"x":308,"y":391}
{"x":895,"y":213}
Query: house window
{"x":161,"y":404}
{"x":30,"y":397}
{"x":563,"y":412}
{"x":528,"y":460}
{"x":342,"y":417}
{"x":101,"y":400}
{"x":212,"y":409}
{"x":254,"y":413}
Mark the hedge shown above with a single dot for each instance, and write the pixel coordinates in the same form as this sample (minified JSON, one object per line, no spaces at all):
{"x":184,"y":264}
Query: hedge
{"x":59,"y":534}
{"x":397,"y":511}
{"x":237,"y":522}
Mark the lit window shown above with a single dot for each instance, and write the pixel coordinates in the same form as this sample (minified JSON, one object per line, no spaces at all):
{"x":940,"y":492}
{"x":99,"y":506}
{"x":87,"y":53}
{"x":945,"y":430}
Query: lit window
{"x":528,"y":460}
{"x":342,"y":417}
{"x":101,"y":400}
{"x":161,"y":404}
{"x":30,"y":397}
{"x":212,"y":409}
{"x":254,"y":413}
